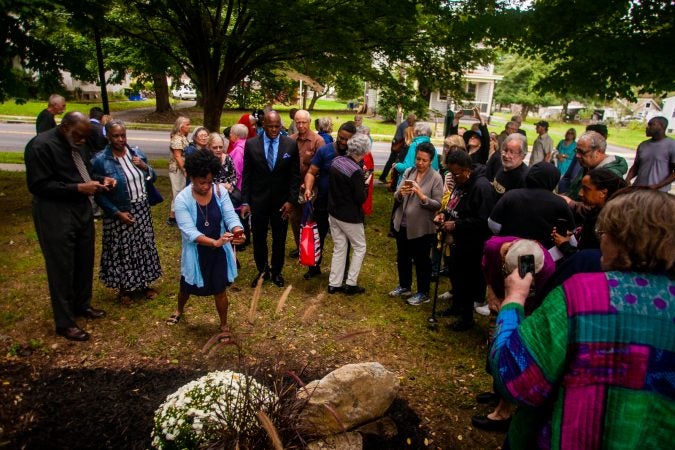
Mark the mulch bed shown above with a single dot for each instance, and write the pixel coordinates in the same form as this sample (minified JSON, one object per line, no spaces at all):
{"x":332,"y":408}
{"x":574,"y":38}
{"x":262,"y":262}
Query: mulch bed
{"x":85,"y":408}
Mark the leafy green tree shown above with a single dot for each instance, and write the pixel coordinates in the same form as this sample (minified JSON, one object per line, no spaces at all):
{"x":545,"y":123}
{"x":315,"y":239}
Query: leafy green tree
{"x":607,"y":48}
{"x":521,"y":78}
{"x":218,"y":43}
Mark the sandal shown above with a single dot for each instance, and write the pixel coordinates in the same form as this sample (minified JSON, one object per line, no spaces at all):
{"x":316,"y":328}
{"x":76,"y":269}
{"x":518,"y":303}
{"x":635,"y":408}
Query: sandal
{"x":150,"y":293}
{"x":225,"y":335}
{"x":173,"y":319}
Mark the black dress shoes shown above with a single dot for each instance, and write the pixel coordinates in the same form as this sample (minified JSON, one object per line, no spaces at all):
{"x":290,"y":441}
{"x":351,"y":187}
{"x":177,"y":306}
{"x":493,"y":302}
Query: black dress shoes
{"x":278,"y":280}
{"x":353,"y":290}
{"x":264,"y":275}
{"x":450,"y":312}
{"x":462,"y":325}
{"x":485,"y":423}
{"x":334,"y":289}
{"x":73,"y":333}
{"x":311,"y":273}
{"x":92,"y":313}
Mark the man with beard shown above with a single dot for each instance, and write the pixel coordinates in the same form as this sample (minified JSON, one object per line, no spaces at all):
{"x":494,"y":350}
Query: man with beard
{"x":318,"y":173}
{"x":512,"y":170}
{"x":59,"y":177}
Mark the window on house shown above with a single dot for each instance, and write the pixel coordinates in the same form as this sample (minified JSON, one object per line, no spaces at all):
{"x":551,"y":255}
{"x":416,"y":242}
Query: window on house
{"x":471,"y":89}
{"x":442,"y":95}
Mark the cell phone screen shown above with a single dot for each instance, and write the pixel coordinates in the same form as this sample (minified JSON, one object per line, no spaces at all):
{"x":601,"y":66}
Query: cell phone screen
{"x":561,"y":226}
{"x":408,"y":183}
{"x":525,"y":264}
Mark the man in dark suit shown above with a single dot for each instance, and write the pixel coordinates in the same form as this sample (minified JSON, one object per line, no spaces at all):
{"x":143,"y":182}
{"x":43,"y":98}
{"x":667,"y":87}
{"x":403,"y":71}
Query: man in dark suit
{"x":96,"y":139}
{"x":59,"y":177}
{"x":269,"y":193}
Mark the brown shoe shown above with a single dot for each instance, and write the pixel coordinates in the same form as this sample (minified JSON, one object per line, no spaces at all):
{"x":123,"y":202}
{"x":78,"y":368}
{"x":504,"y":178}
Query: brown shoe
{"x":73,"y":333}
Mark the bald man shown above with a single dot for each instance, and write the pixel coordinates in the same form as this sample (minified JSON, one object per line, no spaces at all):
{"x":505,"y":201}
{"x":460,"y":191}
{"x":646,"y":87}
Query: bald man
{"x":270,"y":189}
{"x":45,"y":120}
{"x":308,"y":143}
{"x":59,"y":177}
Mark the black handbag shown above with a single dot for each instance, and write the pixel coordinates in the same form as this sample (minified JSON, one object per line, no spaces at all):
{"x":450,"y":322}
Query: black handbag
{"x":154,"y":196}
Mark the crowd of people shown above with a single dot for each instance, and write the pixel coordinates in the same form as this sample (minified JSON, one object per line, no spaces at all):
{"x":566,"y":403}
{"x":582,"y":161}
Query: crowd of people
{"x":571,"y":263}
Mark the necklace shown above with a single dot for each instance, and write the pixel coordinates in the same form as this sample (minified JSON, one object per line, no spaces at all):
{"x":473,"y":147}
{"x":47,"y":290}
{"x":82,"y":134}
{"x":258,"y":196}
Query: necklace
{"x":205,"y":212}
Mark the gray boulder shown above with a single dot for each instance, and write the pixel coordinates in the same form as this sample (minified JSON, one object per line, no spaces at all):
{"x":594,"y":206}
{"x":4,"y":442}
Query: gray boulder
{"x":347,"y":397}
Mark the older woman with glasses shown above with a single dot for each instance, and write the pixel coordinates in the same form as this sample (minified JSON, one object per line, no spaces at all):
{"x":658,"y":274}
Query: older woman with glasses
{"x":592,"y":367}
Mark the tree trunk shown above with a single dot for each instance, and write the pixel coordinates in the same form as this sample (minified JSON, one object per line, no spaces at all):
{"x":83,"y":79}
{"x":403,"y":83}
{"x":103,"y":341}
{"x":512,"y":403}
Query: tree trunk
{"x":213,"y":108}
{"x":315,"y":97}
{"x":162,"y":103}
{"x":525,"y":110}
{"x":564,"y":110}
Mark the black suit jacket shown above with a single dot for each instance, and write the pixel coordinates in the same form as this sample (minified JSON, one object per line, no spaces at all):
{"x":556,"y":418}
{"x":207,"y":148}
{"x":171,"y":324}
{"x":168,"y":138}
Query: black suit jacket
{"x":266,"y":191}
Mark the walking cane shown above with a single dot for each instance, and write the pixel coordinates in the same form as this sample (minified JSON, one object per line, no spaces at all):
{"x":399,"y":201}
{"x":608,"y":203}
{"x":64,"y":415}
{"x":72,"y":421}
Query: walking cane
{"x":432,"y":322}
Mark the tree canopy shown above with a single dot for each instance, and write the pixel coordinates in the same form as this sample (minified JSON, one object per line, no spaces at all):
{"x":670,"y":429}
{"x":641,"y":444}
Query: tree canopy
{"x":607,"y":48}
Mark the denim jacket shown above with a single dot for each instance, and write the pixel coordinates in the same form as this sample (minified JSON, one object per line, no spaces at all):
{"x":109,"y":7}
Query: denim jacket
{"x":117,"y":199}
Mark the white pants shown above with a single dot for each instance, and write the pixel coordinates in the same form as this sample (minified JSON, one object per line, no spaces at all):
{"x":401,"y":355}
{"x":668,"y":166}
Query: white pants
{"x":177,"y":184}
{"x":342,"y":232}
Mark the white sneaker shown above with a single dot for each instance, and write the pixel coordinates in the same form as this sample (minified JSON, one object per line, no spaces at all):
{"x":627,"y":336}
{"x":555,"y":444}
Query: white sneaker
{"x":477,"y":304}
{"x":483,"y":310}
{"x":418,"y":299}
{"x":445,"y":296}
{"x":399,"y":291}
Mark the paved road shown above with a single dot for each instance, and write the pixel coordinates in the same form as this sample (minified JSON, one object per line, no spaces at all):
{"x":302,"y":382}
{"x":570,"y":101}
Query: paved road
{"x":155,"y":144}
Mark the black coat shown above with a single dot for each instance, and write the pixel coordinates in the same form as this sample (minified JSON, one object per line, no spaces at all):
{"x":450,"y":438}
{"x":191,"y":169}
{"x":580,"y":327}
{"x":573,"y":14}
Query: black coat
{"x":266,"y":191}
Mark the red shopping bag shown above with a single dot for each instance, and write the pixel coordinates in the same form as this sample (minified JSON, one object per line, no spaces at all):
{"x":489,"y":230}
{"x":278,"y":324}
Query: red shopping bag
{"x":310,"y":244}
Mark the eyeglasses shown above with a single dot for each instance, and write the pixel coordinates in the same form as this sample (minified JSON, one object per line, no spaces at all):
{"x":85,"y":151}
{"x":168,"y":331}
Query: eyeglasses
{"x":582,"y":152}
{"x":599,"y":232}
{"x":510,"y":152}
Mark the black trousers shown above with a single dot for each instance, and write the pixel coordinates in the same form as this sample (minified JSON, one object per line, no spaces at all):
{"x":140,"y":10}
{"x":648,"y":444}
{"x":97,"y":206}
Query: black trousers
{"x":466,"y":276}
{"x":321,"y":218}
{"x":387,"y":166}
{"x":66,"y":234}
{"x":417,"y":251}
{"x":261,"y":222}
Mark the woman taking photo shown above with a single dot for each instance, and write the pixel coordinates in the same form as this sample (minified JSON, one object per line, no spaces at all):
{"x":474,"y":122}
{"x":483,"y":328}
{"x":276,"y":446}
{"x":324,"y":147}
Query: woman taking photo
{"x":209,"y":226}
{"x":592,"y":367}
{"x":129,"y":260}
{"x":179,"y":143}
{"x":420,"y":195}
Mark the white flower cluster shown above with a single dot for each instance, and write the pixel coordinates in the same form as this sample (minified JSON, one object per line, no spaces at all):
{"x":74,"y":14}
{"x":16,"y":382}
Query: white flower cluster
{"x":202,"y":410}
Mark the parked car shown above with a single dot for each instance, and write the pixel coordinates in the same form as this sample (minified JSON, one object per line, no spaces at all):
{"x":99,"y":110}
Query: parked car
{"x":184,"y":93}
{"x":625,"y":120}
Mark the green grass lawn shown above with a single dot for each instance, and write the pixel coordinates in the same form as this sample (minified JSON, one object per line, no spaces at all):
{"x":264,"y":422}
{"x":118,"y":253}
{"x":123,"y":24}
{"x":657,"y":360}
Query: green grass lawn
{"x":440,"y":371}
{"x":628,"y":137}
{"x":32,"y":108}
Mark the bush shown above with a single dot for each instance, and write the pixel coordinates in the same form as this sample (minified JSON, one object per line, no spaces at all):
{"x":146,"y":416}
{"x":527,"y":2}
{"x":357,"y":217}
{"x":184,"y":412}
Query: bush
{"x":216,"y":407}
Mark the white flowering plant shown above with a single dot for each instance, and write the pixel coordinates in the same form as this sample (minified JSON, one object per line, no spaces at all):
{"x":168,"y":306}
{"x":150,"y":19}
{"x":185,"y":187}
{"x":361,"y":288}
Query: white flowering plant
{"x":207,"y":409}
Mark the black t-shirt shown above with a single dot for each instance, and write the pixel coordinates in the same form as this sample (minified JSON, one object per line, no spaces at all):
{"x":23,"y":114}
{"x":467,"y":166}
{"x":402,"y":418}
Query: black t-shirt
{"x":505,"y":181}
{"x":531,"y":214}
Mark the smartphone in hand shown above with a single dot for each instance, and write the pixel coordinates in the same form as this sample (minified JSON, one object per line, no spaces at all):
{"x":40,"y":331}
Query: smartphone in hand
{"x":238,"y":234}
{"x":525,"y":265}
